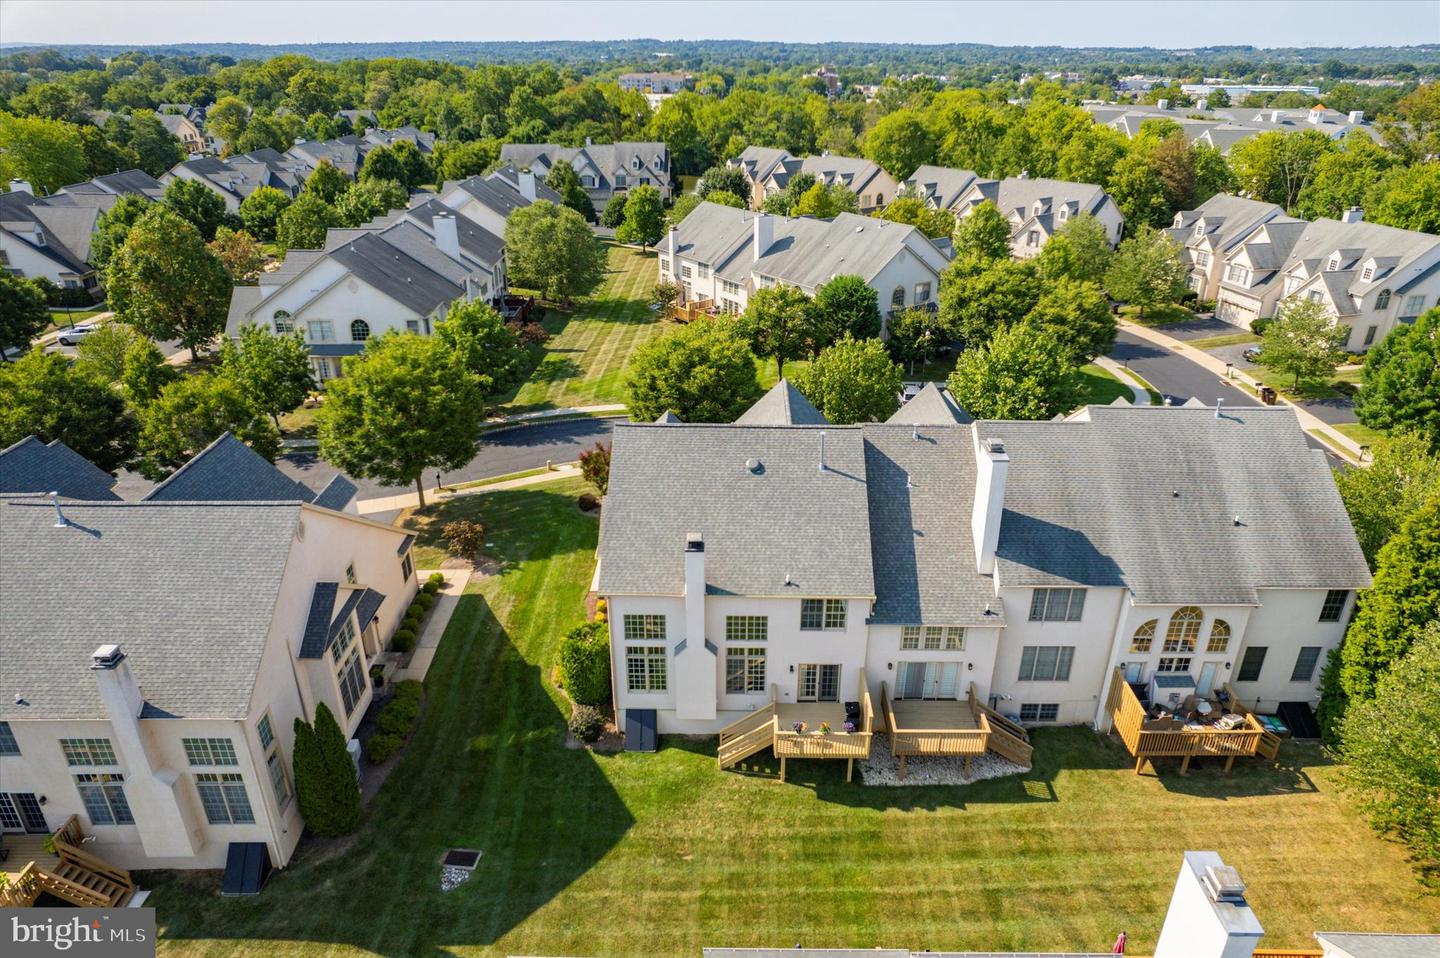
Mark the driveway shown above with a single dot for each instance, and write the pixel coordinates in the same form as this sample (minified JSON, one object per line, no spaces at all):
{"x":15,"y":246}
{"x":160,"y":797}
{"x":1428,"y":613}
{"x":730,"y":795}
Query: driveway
{"x":1201,"y":327}
{"x":516,"y":449}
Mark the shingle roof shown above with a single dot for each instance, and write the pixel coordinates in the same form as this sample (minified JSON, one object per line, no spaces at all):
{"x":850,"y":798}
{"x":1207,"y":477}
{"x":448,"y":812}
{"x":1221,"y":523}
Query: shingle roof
{"x":317,"y":623}
{"x":369,"y":604}
{"x":475,"y":240}
{"x":783,"y":405}
{"x":227,"y":470}
{"x":1018,"y":193}
{"x":668,"y":417}
{"x":1351,"y":944}
{"x":494,"y":193}
{"x":605,"y":158}
{"x":932,"y":406}
{"x":785,"y":518}
{"x":942,"y":185}
{"x":337,"y":493}
{"x":189,"y":588}
{"x":32,"y":466}
{"x":397,"y":275}
{"x":1091,"y":503}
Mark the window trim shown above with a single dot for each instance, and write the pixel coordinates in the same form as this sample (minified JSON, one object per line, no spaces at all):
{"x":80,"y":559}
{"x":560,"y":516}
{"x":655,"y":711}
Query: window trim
{"x":654,"y":661}
{"x":1309,"y":675}
{"x":751,"y":673}
{"x":210,"y":752}
{"x":1330,"y":610}
{"x":745,"y":629}
{"x":1144,"y":638}
{"x":107,"y":786}
{"x":1243,"y":673}
{"x":1042,"y":599}
{"x":8,"y":745}
{"x":81,"y":752}
{"x":229,"y":794}
{"x":1060,"y":665}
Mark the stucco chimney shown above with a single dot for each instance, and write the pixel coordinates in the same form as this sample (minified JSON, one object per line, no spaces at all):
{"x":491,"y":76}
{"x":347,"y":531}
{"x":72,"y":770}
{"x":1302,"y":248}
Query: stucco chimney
{"x":1162,"y":104}
{"x":671,"y":241}
{"x":1202,"y":104}
{"x":1357,"y":116}
{"x":1208,"y":916}
{"x":1274,"y":116}
{"x":21,"y":186}
{"x":694,"y":587}
{"x":695,"y":666}
{"x":1353,"y":214}
{"x":447,"y":235}
{"x":991,"y":466}
{"x":764,"y":234}
{"x":527,"y":184}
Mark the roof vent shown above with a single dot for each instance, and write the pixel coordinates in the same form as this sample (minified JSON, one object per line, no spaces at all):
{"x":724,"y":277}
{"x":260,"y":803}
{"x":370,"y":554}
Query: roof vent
{"x":1174,"y":493}
{"x":755,"y":466}
{"x":859,"y":229}
{"x":60,"y":521}
{"x":1238,"y":522}
{"x":1224,"y":884}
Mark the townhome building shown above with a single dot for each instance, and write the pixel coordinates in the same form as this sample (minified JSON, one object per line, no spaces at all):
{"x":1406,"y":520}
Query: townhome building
{"x":347,"y":153}
{"x":1223,"y":128}
{"x":770,"y":171}
{"x":44,"y":237}
{"x":940,"y":187}
{"x":489,"y":200}
{"x":103,"y":192}
{"x":1370,"y":278}
{"x":1036,"y":208}
{"x":153,"y":711}
{"x":185,"y":129}
{"x":722,"y":255}
{"x":236,"y":177}
{"x":1036,"y":569}
{"x":605,"y":170}
{"x":1213,"y":230}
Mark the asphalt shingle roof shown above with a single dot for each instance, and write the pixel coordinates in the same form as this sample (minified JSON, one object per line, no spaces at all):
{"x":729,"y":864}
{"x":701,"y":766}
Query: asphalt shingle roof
{"x":931,"y":406}
{"x":32,"y":466}
{"x":397,"y":275}
{"x":228,"y":470}
{"x":201,"y":577}
{"x":783,"y":405}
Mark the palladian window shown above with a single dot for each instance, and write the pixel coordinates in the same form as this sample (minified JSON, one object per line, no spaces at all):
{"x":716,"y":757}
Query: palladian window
{"x":1184,"y":629}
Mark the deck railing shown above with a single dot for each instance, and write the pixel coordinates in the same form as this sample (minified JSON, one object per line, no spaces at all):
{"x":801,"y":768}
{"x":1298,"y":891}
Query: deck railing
{"x":933,"y":741}
{"x":691,"y":311}
{"x":103,"y":886}
{"x":1128,"y":718}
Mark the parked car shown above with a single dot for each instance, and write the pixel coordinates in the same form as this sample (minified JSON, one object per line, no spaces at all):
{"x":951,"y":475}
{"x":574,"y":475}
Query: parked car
{"x":909,"y":391}
{"x":1252,"y":354}
{"x":72,"y":336}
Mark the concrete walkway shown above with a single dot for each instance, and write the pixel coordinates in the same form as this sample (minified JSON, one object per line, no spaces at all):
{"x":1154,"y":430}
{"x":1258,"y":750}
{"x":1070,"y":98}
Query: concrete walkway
{"x":1140,"y":395}
{"x":428,"y":642}
{"x":1308,"y":420}
{"x":410,"y":500}
{"x":551,"y":413}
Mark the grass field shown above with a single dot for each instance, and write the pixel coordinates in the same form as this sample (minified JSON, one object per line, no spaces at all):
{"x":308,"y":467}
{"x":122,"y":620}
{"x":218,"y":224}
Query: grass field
{"x":1230,"y":339}
{"x":1157,"y":315}
{"x":1364,"y":435}
{"x":1099,"y":387}
{"x":660,"y":854}
{"x":589,"y":345}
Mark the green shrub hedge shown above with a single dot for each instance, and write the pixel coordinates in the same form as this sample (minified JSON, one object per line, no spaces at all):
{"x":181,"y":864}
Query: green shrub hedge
{"x":383,"y":746}
{"x":437,"y":579}
{"x":585,"y":663}
{"x":586,"y":723}
{"x":397,"y":720}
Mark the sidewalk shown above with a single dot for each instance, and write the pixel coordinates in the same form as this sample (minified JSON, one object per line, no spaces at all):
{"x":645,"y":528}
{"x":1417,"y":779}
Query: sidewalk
{"x":411,"y":500}
{"x":552,"y":413}
{"x":1140,"y":395}
{"x":1308,"y":420}
{"x":429,"y":640}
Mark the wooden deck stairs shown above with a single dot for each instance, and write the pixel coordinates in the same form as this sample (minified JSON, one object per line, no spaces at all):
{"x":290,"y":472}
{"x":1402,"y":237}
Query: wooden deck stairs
{"x":741,"y":739}
{"x":70,"y":874}
{"x":1008,"y":739}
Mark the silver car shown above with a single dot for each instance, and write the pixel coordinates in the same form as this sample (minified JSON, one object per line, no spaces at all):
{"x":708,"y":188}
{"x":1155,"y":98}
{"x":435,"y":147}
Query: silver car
{"x":74,"y":334}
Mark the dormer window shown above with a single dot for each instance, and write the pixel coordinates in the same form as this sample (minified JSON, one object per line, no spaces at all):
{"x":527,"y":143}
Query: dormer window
{"x":1200,"y":229}
{"x":635,"y":163}
{"x":1333,"y":264}
{"x":1367,"y":274}
{"x":658,"y":165}
{"x":1064,"y":212}
{"x":284,"y":325}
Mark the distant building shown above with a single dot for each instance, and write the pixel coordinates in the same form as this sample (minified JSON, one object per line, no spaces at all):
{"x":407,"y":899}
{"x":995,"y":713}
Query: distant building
{"x":605,"y":170}
{"x":770,"y":171}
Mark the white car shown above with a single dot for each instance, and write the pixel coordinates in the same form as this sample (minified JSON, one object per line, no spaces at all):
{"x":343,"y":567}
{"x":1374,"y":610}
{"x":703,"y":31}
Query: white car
{"x":909,"y":391}
{"x":73,"y":335}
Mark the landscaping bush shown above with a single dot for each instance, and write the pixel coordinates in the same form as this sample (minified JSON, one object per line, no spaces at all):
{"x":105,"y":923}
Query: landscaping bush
{"x":586,"y":723}
{"x":399,"y":714}
{"x":601,"y":605}
{"x":403,"y":641}
{"x":410,"y":690}
{"x":425,"y":600}
{"x":437,"y":579}
{"x":1257,"y":326}
{"x":377,"y":676}
{"x":430,"y":588}
{"x":417,"y":608}
{"x":584,"y":661}
{"x":325,"y":776}
{"x":589,"y":502}
{"x":383,"y":746}
{"x":464,"y":538}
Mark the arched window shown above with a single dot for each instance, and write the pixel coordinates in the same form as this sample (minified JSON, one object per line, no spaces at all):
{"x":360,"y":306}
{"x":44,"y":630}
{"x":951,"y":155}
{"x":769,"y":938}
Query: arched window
{"x":1219,"y":637}
{"x":1184,"y":629}
{"x":897,"y":298}
{"x":284,"y":325}
{"x":1144,"y":637}
{"x":879,"y":199}
{"x":359,"y":331}
{"x":1383,"y":300}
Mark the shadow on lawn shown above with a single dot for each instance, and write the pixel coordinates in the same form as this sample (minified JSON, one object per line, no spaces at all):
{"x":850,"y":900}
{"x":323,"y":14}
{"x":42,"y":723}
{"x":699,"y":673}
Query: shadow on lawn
{"x":488,"y":769}
{"x":493,"y":510}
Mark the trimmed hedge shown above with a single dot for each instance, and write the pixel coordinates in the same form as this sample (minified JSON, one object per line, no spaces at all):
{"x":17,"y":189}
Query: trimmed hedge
{"x":584,"y":661}
{"x":425,"y":600}
{"x":430,"y":588}
{"x":403,"y":640}
{"x":382,"y":747}
{"x":437,"y":579}
{"x":586,"y":723}
{"x":396,"y":721}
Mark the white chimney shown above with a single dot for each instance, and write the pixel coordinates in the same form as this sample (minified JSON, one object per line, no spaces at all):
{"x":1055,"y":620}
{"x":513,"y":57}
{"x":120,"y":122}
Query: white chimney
{"x":1208,"y":916}
{"x":1352,"y":214}
{"x":527,"y":184}
{"x":1357,"y":116}
{"x":764,"y":234}
{"x":671,"y":242}
{"x":1202,"y":104}
{"x":695,"y":665}
{"x":447,"y":235}
{"x":21,"y":186}
{"x":694,"y":587}
{"x":991,"y":466}
{"x":1274,"y":116}
{"x":1162,"y":104}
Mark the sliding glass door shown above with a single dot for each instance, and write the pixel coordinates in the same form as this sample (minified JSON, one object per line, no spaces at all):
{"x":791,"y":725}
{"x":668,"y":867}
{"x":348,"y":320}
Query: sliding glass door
{"x":928,"y":680}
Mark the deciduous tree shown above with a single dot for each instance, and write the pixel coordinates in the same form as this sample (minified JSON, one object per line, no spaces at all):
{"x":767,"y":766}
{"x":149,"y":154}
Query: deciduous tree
{"x":240,"y":252}
{"x":326,"y":182}
{"x":984,"y":233}
{"x":702,"y":372}
{"x":303,"y":223}
{"x":563,"y":179}
{"x":42,"y":395}
{"x":1080,"y":250}
{"x":1078,"y":313}
{"x":780,"y":324}
{"x":197,"y":205}
{"x":103,"y":351}
{"x":614,"y":213}
{"x":1402,"y":380}
{"x":900,"y":142}
{"x":1303,"y":341}
{"x":478,"y":339}
{"x":1147,"y":270}
{"x":1277,"y":166}
{"x":644,"y":217}
{"x":1023,"y":372}
{"x":260,"y":212}
{"x":550,"y":248}
{"x":595,"y":467}
{"x":914,"y":212}
{"x":1404,"y":474}
{"x":144,"y":373}
{"x":845,"y":305}
{"x":272,"y":371}
{"x":724,"y":179}
{"x":978,"y":297}
{"x":853,"y":380}
{"x":23,"y":313}
{"x":193,"y":412}
{"x":46,"y":153}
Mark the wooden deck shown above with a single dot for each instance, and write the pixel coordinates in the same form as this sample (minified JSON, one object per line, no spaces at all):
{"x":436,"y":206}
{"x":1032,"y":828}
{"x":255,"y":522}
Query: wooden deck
{"x":957,"y":727}
{"x":1147,"y":739}
{"x":927,"y":713}
{"x":774,"y":726}
{"x":23,"y":850}
{"x":71,"y":873}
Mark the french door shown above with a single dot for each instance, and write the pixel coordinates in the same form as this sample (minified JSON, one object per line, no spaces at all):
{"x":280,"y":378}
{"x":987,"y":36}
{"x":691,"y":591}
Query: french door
{"x":20,"y":811}
{"x":819,"y":683}
{"x":928,"y":680}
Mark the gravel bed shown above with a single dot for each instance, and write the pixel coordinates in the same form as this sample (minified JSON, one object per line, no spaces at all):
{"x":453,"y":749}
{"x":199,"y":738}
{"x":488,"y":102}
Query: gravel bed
{"x":882,"y":768}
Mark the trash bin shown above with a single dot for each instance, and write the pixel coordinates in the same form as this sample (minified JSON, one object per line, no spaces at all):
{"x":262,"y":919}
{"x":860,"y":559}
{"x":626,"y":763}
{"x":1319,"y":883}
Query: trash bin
{"x":1267,"y":395}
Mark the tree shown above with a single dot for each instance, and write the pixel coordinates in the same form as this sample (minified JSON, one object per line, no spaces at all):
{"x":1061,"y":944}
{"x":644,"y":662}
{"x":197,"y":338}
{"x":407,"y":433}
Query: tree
{"x":260,"y":212}
{"x":464,"y":539}
{"x":783,"y":202}
{"x":47,"y":153}
{"x":241,"y":254}
{"x":978,"y":297}
{"x":1303,"y":341}
{"x":852,"y":381}
{"x":900,"y":142}
{"x":478,"y":339}
{"x":157,"y":147}
{"x":1409,"y":199}
{"x":367,"y":199}
{"x":724,"y":179}
{"x":845,"y":305}
{"x":1403,"y":475}
{"x":227,"y":118}
{"x":1217,"y":99}
{"x":584,"y":662}
{"x":614,"y":213}
{"x":304,"y":222}
{"x":914,"y":212}
{"x":984,"y":233}
{"x":1147,"y":270}
{"x":165,"y":283}
{"x":1391,"y":763}
{"x":1276,"y":167}
{"x":326,"y":182}
{"x":272,"y":371}
{"x":825,"y":202}
{"x":916,"y":335}
{"x":457,"y":161}
{"x":1080,"y":250}
{"x":1176,"y":166}
{"x":722,"y":198}
{"x":665,"y":295}
{"x":325,"y":782}
{"x":702,"y":372}
{"x":550,"y":248}
{"x":1344,"y":179}
{"x":780,"y":325}
{"x":403,"y":406}
{"x":595,"y":467}
{"x":644,"y":217}
{"x":41,"y":395}
{"x":1402,"y":380}
{"x":1137,"y":189}
{"x":1212,"y":172}
{"x":114,"y":226}
{"x":23,"y":313}
{"x":144,"y":373}
{"x":103,"y":351}
{"x":1078,"y":313}
{"x":1023,"y":372}
{"x":563,"y":179}
{"x":193,"y":412}
{"x":197,"y":204}
{"x":102,"y":156}
{"x":401,"y":161}
{"x":1402,"y":601}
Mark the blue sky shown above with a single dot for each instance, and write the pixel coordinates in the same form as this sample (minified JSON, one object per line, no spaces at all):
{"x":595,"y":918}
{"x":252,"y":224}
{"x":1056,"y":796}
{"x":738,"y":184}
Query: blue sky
{"x":1179,"y":23}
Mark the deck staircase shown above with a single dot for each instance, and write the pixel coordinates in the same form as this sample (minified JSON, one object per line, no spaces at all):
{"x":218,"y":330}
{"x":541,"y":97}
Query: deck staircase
{"x":72,"y":875}
{"x":742,"y":739}
{"x":1008,"y":739}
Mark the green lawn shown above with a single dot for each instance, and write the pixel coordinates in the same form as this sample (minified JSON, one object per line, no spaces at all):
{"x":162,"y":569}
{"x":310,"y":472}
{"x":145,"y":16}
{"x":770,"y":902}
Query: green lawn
{"x":299,"y":423}
{"x":65,"y":318}
{"x":1364,"y":435}
{"x":1157,"y":315}
{"x":646,"y":855}
{"x":1230,"y":339}
{"x":590,"y":345}
{"x":1099,"y":387}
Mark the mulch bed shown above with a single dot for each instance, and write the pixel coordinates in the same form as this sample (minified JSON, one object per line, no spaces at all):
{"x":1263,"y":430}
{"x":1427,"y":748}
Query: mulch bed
{"x":610,"y":740}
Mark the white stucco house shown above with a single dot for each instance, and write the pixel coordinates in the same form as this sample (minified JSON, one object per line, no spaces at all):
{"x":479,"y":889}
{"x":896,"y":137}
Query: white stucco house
{"x":1036,"y":208}
{"x":1211,"y":233}
{"x":770,"y":171}
{"x":157,"y":705}
{"x":724,"y":254}
{"x":605,"y":170}
{"x":781,"y":563}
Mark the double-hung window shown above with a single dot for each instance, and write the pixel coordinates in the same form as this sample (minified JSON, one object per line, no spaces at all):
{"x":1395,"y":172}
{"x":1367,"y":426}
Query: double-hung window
{"x":407,"y":566}
{"x":1413,"y":304}
{"x":222,"y":795}
{"x":745,"y":669}
{"x":1057,"y":605}
{"x":818,"y":614}
{"x":1305,"y":663}
{"x":950,"y":638}
{"x":210,"y":751}
{"x":88,"y":751}
{"x":321,"y":331}
{"x":8,"y":745}
{"x":747,"y":628}
{"x":1046,"y":663}
{"x":274,"y":764}
{"x":645,"y":668}
{"x":1173,"y":663}
{"x":103,"y":795}
{"x":1251,"y":665}
{"x":348,"y":671}
{"x":1333,"y":605}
